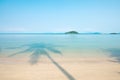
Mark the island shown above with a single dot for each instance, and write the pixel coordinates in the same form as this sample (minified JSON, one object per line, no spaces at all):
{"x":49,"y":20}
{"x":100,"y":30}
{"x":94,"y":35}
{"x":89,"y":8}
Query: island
{"x":114,"y":33}
{"x":71,"y":32}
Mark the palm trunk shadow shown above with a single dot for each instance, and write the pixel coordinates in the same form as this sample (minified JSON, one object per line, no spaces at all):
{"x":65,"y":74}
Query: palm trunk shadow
{"x":40,"y":49}
{"x":69,"y":76}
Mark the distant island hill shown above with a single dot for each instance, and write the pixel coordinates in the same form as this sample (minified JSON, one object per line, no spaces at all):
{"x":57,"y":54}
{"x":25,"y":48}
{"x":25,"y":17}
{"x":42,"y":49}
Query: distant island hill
{"x":75,"y":32}
{"x":71,"y":32}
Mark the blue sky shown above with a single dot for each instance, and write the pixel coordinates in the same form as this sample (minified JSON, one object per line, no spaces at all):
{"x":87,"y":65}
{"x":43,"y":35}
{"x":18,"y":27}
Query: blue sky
{"x":59,"y":15}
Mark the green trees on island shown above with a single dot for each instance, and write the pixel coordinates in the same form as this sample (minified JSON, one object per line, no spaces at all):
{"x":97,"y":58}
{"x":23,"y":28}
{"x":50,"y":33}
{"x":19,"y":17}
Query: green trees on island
{"x":71,"y":32}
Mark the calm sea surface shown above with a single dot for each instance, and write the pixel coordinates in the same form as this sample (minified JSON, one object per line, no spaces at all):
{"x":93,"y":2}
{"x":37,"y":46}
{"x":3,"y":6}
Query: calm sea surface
{"x":66,"y":45}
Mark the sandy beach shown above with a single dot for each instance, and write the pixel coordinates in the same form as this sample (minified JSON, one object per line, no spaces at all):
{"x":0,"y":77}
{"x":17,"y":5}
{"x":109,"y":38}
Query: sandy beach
{"x":78,"y":68}
{"x":59,"y":39}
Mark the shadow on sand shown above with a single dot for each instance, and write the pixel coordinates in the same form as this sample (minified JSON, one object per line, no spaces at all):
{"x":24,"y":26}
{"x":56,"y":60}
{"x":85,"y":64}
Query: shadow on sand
{"x":118,"y":72}
{"x":39,"y":49}
{"x":115,"y":53}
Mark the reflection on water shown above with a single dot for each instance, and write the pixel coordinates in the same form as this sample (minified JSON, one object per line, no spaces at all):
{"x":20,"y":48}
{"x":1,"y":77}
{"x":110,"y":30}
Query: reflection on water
{"x":39,"y":49}
{"x":115,"y":53}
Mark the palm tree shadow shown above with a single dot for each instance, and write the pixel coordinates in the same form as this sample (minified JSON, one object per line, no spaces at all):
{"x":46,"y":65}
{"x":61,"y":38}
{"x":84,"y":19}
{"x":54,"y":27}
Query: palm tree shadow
{"x":118,"y":72}
{"x":39,"y":49}
{"x":115,"y":53}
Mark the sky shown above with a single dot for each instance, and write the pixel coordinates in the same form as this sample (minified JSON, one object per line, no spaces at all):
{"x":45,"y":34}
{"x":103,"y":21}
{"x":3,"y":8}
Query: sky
{"x":46,"y":16}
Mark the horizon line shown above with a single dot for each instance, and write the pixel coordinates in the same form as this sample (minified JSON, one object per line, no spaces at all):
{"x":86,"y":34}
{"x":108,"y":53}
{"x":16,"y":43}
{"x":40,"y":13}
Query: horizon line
{"x":53,"y":32}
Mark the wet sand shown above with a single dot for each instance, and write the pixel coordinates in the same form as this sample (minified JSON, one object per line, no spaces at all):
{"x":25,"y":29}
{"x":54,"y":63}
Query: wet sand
{"x":78,"y":68}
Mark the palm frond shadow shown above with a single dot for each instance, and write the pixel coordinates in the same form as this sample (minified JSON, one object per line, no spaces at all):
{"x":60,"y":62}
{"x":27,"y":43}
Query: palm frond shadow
{"x":118,"y":72}
{"x":115,"y":53}
{"x":39,"y":49}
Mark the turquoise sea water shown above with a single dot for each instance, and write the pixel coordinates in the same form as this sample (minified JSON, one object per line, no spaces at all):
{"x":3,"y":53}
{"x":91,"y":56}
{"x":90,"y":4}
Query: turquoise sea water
{"x":66,"y":45}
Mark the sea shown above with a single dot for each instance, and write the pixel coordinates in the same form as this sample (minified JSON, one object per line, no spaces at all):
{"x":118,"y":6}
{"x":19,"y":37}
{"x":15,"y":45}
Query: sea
{"x":34,"y":45}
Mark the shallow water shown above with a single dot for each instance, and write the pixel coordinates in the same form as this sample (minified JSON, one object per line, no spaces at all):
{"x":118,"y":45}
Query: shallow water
{"x":34,"y":45}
